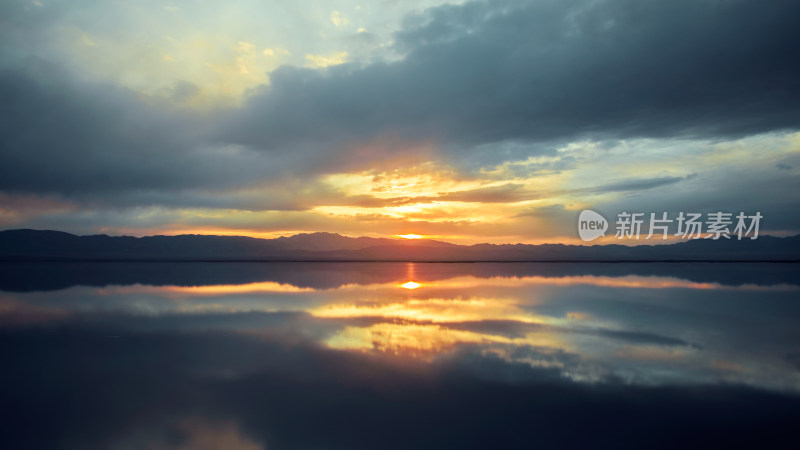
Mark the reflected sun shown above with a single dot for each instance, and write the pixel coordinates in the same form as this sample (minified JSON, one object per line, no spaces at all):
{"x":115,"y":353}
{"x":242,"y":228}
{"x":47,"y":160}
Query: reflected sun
{"x":410,"y":285}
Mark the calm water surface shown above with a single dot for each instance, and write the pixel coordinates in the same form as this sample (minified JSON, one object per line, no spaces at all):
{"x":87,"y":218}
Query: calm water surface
{"x":397,"y":355}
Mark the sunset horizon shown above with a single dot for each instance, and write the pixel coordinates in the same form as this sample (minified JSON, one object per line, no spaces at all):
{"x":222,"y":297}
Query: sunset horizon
{"x":399,"y":224}
{"x":605,"y":240}
{"x":356,"y":122}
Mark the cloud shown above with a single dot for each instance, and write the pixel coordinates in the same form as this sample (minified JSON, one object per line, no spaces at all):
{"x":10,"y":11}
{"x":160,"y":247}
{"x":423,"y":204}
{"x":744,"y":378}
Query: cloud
{"x":505,"y":193}
{"x":639,"y":184}
{"x":479,"y":73}
{"x":67,"y":136}
{"x":253,"y":388}
{"x":322,"y":61}
{"x":338,"y":19}
{"x":494,"y":194}
{"x":496,"y":90}
{"x":551,"y":70}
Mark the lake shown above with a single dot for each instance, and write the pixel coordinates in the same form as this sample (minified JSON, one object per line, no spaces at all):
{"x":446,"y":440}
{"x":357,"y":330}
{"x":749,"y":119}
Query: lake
{"x":398,"y":355}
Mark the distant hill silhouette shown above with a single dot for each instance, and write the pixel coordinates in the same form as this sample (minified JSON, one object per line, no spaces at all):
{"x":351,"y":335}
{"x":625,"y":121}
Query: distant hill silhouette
{"x":57,"y":245}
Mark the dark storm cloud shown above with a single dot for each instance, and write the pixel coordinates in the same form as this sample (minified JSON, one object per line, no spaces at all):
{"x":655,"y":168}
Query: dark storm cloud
{"x":62,"y":135}
{"x":639,"y":184}
{"x":473,"y":76}
{"x":486,"y":72}
{"x":54,"y":136}
{"x":764,"y":188}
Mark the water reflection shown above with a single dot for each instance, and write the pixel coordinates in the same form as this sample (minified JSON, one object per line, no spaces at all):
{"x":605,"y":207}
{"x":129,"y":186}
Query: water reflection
{"x":196,"y":345}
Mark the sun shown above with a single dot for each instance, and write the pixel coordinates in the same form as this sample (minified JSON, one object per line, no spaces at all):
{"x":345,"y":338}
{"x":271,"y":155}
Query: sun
{"x":410,"y":236}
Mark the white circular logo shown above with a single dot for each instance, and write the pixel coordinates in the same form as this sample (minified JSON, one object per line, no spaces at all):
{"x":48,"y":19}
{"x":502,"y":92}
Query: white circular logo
{"x":591,"y":225}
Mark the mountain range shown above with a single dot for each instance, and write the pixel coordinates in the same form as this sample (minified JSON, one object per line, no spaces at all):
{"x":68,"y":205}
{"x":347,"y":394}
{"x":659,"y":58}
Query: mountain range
{"x":18,"y":245}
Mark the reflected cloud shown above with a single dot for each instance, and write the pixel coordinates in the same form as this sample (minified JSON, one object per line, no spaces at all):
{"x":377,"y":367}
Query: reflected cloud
{"x":26,"y":277}
{"x":189,"y":433}
{"x":15,"y":312}
{"x":218,"y":289}
{"x":426,"y":340}
{"x":647,"y":329}
{"x":629,"y":281}
{"x":438,"y":310}
{"x":258,"y":362}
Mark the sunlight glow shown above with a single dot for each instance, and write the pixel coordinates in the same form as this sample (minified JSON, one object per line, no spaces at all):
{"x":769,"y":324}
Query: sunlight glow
{"x":423,"y":341}
{"x":410,"y":285}
{"x":410,"y":236}
{"x":435,"y":310}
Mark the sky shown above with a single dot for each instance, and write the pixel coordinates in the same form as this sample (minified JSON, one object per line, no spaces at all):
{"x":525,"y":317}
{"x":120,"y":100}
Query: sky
{"x":466,"y":122}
